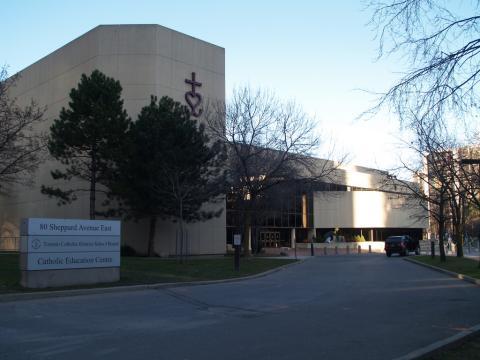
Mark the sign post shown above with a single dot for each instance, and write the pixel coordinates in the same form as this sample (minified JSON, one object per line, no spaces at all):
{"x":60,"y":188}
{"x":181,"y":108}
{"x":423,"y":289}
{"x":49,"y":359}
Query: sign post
{"x":237,"y":243}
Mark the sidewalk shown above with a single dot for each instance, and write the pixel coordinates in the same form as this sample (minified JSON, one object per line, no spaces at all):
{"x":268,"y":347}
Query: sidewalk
{"x":472,"y":254}
{"x":475,"y":256}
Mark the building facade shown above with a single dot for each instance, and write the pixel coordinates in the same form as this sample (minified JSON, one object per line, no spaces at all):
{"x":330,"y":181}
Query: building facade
{"x":153,"y":60}
{"x":352,"y":202}
{"x":452,"y":177}
{"x":147,"y":60}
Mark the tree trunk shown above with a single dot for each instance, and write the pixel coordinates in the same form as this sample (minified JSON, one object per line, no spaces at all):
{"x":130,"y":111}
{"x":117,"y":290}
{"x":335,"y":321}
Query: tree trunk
{"x":93,"y":174}
{"x":461,"y":225}
{"x":151,"y":236}
{"x":247,"y":221}
{"x":441,"y":227}
{"x":183,"y":246}
{"x":183,"y":242}
{"x":459,"y":243}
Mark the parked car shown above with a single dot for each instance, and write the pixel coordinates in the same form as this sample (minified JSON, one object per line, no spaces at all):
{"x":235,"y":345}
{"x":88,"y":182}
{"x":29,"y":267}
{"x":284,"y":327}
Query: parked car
{"x":402,"y":245}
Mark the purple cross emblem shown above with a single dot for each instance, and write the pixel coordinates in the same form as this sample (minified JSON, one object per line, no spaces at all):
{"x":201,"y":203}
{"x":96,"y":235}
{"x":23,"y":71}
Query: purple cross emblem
{"x":194,"y":99}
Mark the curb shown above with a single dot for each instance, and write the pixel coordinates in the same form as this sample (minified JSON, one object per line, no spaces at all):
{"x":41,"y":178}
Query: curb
{"x":127,"y":288}
{"x":447,"y":272}
{"x":451,"y":341}
{"x":441,"y":345}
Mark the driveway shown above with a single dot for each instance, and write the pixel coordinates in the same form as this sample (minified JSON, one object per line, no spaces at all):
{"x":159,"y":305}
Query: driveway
{"x":338,"y":307}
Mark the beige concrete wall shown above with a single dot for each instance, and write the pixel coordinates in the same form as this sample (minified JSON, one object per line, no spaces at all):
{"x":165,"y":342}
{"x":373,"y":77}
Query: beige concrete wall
{"x":203,"y":237}
{"x":366,"y":204}
{"x":146,"y":59}
{"x":355,"y":176}
{"x":365,"y":209}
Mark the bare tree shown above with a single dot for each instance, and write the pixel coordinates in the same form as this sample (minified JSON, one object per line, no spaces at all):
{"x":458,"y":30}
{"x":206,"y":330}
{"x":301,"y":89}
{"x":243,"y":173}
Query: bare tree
{"x":269,"y":143}
{"x":439,"y":187}
{"x":440,"y":45}
{"x":440,"y":42}
{"x":22,"y":146}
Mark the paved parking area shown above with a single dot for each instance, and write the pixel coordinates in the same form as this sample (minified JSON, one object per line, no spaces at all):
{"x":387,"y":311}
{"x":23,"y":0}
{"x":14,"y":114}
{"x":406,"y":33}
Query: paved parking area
{"x":338,"y":307}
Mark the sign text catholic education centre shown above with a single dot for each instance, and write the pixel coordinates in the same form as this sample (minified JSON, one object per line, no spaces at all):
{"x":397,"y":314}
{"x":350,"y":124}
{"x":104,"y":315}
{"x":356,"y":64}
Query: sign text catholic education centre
{"x":52,"y":244}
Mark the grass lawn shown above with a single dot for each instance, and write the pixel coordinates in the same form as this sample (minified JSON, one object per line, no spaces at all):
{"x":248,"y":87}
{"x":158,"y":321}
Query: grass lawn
{"x":470,"y":348}
{"x":9,"y":273}
{"x":465,"y":350}
{"x":141,"y":270}
{"x":463,"y":266}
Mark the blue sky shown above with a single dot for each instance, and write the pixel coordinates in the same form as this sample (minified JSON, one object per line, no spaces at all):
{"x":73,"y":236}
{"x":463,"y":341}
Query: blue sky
{"x":319,"y":53}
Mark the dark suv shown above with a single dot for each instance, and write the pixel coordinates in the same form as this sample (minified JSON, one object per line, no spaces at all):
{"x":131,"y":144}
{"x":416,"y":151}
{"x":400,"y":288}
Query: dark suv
{"x":402,"y":245}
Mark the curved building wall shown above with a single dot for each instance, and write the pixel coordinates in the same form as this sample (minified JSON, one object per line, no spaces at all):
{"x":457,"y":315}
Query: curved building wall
{"x":366,"y":209}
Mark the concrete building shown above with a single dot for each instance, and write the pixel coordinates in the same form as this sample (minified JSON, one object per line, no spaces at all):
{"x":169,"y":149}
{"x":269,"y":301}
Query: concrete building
{"x":352,"y":202}
{"x":456,"y":170}
{"x":367,"y":204}
{"x":153,"y":60}
{"x":147,"y":60}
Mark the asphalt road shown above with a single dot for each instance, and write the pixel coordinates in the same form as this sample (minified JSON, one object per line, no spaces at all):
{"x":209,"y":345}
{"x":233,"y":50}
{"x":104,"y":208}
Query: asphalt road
{"x":344,"y":307}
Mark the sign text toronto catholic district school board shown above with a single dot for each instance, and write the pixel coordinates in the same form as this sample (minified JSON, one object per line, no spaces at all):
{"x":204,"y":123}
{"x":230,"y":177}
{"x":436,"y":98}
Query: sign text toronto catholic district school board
{"x":69,"y":244}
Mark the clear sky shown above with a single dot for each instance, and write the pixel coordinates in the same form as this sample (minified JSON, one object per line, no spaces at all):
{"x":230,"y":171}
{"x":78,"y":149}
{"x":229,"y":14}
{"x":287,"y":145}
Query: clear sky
{"x":319,"y":53}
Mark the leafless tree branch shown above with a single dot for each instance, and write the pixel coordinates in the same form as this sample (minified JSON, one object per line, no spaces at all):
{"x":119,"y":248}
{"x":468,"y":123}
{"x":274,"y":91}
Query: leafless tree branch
{"x":22,"y":145}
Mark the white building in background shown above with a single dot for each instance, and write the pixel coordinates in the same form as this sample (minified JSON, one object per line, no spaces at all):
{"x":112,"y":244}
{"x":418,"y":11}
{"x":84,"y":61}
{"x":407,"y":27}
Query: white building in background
{"x":153,"y":60}
{"x":353,"y":201}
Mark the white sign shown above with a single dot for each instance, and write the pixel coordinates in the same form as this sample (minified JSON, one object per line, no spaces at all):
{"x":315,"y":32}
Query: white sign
{"x":70,"y":244}
{"x":65,"y":243}
{"x":52,"y":261}
{"x":237,"y":239}
{"x":38,"y":226}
